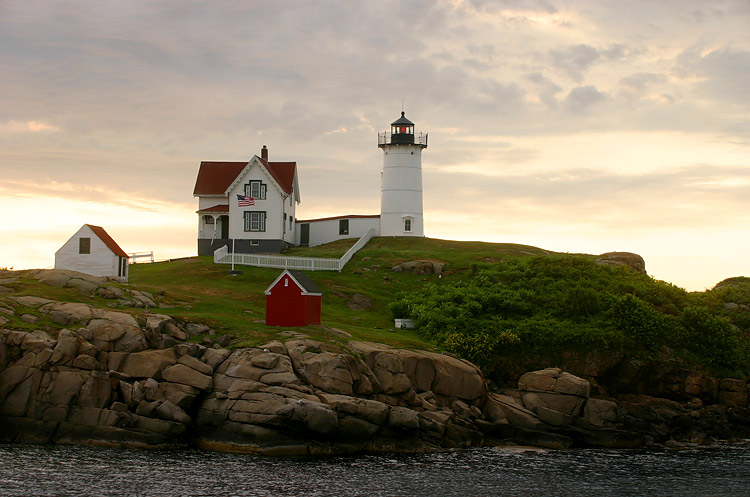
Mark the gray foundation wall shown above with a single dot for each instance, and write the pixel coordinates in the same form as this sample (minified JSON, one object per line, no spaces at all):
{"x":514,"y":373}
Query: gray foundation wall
{"x":207,"y":246}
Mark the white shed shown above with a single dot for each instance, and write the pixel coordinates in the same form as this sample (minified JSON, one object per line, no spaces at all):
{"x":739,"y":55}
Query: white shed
{"x":92,"y":251}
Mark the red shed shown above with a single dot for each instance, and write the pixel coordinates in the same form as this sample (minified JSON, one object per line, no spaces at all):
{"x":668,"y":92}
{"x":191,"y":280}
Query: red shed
{"x":293,"y":300}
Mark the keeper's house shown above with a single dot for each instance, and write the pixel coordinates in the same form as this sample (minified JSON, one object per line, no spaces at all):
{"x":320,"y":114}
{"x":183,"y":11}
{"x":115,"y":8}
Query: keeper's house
{"x":251,"y":203}
{"x":92,"y":251}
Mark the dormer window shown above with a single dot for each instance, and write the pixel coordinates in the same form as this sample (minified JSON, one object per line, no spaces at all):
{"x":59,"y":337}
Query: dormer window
{"x":255,"y":190}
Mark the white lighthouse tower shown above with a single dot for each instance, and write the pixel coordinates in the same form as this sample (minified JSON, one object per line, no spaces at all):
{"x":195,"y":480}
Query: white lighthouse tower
{"x":401,"y":191}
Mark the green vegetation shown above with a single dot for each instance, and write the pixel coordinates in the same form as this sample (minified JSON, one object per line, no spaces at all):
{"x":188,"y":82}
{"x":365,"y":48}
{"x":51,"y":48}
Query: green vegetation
{"x":198,"y":290}
{"x":558,"y":306}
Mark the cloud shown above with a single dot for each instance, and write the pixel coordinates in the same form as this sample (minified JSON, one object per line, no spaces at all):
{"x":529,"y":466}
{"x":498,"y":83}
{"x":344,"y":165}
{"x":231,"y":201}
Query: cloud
{"x":28,"y":127}
{"x":575,"y":60}
{"x":581,"y":98}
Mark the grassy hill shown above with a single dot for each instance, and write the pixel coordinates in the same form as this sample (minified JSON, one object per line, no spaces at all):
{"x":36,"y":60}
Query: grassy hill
{"x":199,"y":290}
{"x":509,"y":308}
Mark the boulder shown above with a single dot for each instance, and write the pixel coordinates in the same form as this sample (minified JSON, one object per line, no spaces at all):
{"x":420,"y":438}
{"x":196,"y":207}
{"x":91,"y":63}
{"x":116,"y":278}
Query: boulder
{"x":554,"y":380}
{"x":68,"y":312}
{"x":67,"y":347}
{"x":516,"y":414}
{"x":327,"y":371}
{"x":196,"y":329}
{"x":600,"y":412}
{"x":116,"y":331}
{"x":316,"y":417}
{"x":171,"y":412}
{"x":370,"y":410}
{"x":389,"y":370}
{"x":196,"y":364}
{"x":214,"y":357}
{"x":36,"y":341}
{"x":456,"y":378}
{"x":403,"y":418}
{"x":179,"y":373}
{"x":148,"y":363}
{"x":629,"y":259}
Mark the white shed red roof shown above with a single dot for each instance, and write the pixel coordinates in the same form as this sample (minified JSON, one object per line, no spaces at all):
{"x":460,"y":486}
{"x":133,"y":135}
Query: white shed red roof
{"x":305,"y":284}
{"x":108,"y":241}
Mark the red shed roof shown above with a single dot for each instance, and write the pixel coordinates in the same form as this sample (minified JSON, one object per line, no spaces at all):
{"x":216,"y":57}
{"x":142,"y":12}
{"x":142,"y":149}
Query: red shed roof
{"x":108,"y":241}
{"x":215,"y":177}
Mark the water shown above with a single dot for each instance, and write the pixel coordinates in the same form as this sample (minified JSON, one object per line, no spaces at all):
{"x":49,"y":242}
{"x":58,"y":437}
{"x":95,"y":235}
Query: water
{"x":27,"y":470}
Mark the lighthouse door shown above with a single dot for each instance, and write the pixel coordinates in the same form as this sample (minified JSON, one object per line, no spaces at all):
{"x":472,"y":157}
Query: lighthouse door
{"x":304,"y":234}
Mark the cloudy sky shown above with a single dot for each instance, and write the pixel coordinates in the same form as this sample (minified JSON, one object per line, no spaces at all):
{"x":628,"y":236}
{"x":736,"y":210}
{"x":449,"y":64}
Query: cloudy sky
{"x":575,"y":126}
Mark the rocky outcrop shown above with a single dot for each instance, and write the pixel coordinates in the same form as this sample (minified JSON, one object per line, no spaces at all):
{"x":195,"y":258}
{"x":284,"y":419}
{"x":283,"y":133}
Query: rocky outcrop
{"x":552,"y":408}
{"x":419,"y":267}
{"x":629,"y":259}
{"x":108,"y":378}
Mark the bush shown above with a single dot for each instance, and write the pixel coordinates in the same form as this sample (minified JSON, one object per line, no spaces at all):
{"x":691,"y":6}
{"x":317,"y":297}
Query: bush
{"x":555,"y":306}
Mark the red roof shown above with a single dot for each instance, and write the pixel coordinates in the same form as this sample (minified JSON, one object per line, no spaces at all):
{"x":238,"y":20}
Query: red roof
{"x":215,"y":177}
{"x":215,"y":208}
{"x":283,"y":173}
{"x":108,"y":241}
{"x":353,"y":216}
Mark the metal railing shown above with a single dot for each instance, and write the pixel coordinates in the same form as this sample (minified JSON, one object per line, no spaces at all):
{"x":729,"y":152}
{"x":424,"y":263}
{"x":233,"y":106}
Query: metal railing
{"x":222,"y":256}
{"x":387,"y":138}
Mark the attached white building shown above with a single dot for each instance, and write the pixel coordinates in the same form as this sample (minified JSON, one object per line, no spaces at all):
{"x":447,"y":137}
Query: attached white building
{"x":251,"y":205}
{"x":312,"y":232}
{"x":92,"y":251}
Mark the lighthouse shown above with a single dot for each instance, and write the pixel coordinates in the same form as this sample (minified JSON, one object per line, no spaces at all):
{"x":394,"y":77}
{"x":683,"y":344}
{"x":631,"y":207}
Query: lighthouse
{"x":401,"y":190}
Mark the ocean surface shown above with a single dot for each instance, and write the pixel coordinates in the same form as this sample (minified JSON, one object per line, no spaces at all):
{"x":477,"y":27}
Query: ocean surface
{"x":28,"y":470}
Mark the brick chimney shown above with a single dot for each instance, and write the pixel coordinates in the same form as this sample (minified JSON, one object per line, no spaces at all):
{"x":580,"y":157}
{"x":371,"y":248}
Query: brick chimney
{"x":264,"y":153}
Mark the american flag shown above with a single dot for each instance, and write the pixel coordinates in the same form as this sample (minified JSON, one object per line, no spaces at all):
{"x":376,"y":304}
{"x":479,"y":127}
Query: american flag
{"x":243,"y":201}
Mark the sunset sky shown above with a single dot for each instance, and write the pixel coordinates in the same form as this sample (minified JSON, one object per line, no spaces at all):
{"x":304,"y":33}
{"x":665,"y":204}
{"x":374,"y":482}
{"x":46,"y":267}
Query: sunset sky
{"x":575,"y":126}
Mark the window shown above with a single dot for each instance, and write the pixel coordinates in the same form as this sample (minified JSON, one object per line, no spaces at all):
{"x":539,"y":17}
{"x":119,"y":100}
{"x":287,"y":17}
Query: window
{"x":208,"y":219}
{"x":344,"y":227}
{"x":407,"y":224}
{"x":84,"y":245}
{"x":256,"y":190}
{"x":255,"y":221}
{"x":291,"y":222}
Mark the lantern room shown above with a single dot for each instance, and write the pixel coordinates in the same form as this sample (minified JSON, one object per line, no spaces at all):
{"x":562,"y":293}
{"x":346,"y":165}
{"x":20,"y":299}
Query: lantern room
{"x":402,"y":130}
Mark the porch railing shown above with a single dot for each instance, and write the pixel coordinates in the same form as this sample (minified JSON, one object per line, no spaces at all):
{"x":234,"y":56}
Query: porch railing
{"x":223,"y":256}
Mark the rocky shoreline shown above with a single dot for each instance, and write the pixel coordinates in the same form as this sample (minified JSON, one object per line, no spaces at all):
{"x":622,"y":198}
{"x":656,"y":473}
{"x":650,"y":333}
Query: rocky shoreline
{"x":104,"y":377}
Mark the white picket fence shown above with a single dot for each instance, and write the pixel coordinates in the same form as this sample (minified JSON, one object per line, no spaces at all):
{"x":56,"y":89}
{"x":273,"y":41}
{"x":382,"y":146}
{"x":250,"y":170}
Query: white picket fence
{"x":222,"y":256}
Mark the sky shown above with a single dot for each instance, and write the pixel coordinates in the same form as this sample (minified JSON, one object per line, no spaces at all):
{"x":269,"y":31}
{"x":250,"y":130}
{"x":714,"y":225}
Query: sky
{"x":575,"y":126}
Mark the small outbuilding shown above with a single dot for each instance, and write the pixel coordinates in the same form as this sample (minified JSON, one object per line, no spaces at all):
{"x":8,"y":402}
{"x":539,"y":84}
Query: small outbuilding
{"x":293,"y":300}
{"x":92,"y":251}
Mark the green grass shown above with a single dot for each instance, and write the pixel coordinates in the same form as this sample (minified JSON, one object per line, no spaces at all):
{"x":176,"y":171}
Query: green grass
{"x":199,"y":290}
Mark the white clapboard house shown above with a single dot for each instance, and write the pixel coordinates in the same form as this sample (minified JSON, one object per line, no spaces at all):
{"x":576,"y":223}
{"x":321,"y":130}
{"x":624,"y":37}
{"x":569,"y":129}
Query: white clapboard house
{"x":92,"y":251}
{"x":250,"y":206}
